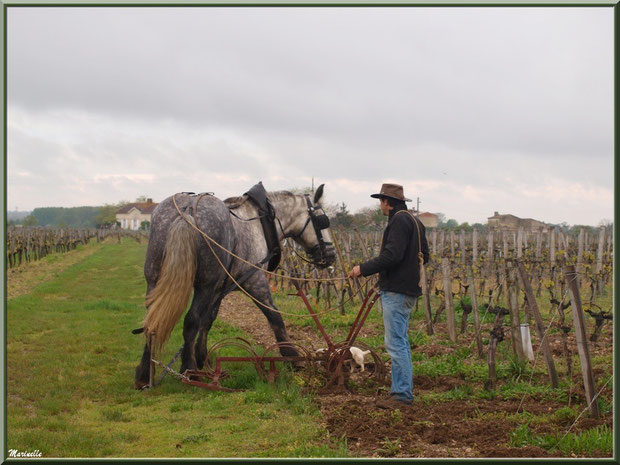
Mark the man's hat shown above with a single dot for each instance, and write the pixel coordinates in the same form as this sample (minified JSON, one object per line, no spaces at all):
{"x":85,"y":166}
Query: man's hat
{"x":394,"y":191}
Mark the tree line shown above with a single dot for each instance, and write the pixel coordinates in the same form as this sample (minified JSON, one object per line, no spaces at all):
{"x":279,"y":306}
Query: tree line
{"x":365,"y":219}
{"x":372,"y":219}
{"x":71,"y":217}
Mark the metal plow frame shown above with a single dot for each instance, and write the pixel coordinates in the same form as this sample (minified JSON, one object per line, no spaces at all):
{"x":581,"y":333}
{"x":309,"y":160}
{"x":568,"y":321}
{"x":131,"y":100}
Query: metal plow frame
{"x":329,"y":363}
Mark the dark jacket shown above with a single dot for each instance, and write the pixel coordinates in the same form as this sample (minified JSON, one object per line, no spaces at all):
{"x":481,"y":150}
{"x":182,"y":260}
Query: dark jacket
{"x":397,"y":263}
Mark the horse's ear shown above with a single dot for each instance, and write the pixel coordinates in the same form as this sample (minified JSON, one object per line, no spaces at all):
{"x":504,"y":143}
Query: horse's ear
{"x":319,"y":193}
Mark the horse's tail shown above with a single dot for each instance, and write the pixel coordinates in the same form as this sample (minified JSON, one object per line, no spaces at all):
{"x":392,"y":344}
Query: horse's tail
{"x":167,"y":301}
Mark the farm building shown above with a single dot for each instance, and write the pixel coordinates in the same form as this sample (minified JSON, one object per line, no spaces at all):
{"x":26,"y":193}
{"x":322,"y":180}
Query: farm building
{"x":132,"y":215}
{"x":429,"y":220}
{"x":513,"y":222}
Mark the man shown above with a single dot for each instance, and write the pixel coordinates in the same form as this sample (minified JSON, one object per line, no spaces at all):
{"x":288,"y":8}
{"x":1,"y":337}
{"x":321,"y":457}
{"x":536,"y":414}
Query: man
{"x":398,"y":266}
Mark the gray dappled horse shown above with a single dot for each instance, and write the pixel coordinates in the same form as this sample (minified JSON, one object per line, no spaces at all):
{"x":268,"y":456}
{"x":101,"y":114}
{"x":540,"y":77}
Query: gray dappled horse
{"x":179,"y":260}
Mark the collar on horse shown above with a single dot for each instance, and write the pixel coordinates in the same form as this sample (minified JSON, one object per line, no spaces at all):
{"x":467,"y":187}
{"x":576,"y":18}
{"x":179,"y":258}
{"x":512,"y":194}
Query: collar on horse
{"x":267,"y":215}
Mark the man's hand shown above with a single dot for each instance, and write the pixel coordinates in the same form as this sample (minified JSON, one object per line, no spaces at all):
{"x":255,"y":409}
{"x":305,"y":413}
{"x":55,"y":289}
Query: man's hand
{"x":355,"y":272}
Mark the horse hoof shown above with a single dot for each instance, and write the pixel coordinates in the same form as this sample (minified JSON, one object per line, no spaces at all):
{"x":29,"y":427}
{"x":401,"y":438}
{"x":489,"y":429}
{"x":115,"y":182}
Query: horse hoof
{"x":139,"y":385}
{"x":298,"y":366}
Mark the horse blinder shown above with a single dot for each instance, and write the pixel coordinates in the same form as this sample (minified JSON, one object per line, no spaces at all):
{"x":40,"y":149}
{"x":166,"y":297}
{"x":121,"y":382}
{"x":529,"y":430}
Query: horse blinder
{"x":323,"y":253}
{"x":321,"y":222}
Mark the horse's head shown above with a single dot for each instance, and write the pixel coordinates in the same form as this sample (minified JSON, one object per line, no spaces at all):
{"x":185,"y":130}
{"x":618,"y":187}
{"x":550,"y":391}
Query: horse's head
{"x":310,"y":229}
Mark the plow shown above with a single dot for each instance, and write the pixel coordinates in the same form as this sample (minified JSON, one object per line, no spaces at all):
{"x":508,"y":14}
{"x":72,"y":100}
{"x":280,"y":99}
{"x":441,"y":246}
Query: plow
{"x":330,"y":366}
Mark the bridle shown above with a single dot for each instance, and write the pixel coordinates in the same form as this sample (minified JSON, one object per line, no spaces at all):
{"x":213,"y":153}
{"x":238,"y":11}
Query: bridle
{"x":319,"y":223}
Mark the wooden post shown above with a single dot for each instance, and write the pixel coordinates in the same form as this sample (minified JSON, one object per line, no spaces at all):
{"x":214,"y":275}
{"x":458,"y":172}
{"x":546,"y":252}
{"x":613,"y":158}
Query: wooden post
{"x":490,"y":251}
{"x":520,"y":243}
{"x":462,"y":245}
{"x":580,"y":247}
{"x":538,"y":244}
{"x":342,"y":266}
{"x":582,"y":340}
{"x":513,"y":307}
{"x":363,"y":245}
{"x":599,"y":252}
{"x":474,"y":306}
{"x":434,"y":239}
{"x":599,"y":260}
{"x":490,"y":246}
{"x":533,"y":306}
{"x":442,"y":240}
{"x":452,"y":243}
{"x":447,"y":291}
{"x":552,"y":246}
{"x":505,"y":240}
{"x":560,"y":241}
{"x":474,"y":245}
{"x":427,"y":302}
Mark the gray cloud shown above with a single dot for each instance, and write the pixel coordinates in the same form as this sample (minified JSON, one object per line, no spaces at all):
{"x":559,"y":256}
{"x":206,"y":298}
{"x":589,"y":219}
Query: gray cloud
{"x":486,"y":95}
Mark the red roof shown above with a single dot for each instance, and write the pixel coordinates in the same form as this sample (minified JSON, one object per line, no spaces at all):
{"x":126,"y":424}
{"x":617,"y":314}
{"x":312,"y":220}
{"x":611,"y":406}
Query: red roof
{"x":143,"y":207}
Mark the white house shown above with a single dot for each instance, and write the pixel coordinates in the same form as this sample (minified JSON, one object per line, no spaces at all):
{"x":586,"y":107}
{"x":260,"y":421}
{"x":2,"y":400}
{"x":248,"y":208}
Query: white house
{"x":132,"y":215}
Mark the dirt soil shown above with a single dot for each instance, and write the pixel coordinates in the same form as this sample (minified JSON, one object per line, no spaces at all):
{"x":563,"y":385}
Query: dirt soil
{"x":461,"y":428}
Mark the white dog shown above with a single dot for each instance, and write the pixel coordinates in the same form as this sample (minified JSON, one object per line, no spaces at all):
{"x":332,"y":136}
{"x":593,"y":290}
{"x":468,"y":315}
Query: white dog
{"x":358,"y":356}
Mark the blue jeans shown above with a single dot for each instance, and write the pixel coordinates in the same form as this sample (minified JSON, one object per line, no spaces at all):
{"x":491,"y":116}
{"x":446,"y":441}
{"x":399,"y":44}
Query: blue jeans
{"x":396,"y":311}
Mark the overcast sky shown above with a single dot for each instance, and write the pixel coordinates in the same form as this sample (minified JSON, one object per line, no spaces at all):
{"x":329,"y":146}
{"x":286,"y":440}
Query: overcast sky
{"x":473,"y":110}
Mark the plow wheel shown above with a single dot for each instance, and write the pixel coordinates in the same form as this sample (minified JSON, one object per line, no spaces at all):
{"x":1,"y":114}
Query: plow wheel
{"x":271,"y":355}
{"x":213,"y":368}
{"x":341,"y":368}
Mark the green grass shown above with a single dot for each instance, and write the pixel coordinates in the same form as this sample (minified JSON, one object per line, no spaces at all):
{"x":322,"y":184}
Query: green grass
{"x":70,"y":366}
{"x":594,"y":440}
{"x":71,"y":359}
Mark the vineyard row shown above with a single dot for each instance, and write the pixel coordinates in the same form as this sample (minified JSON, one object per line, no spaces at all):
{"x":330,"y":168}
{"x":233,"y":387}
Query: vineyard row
{"x":29,"y":244}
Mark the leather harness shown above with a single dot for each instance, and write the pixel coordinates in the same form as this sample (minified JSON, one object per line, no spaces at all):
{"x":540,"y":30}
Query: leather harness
{"x":267,"y":215}
{"x":258,"y":195}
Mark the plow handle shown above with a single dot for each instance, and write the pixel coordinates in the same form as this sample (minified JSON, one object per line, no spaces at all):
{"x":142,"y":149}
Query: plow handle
{"x":357,"y":325}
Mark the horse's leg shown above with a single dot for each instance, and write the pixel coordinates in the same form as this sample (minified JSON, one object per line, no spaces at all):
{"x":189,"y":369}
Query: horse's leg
{"x":141,"y":379}
{"x":200,"y":349}
{"x":190,"y":329}
{"x":200,"y":352}
{"x":258,"y":288}
{"x":200,"y":306}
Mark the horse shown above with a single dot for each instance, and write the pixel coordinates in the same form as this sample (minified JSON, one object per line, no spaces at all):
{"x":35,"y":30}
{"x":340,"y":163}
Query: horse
{"x":212,"y":247}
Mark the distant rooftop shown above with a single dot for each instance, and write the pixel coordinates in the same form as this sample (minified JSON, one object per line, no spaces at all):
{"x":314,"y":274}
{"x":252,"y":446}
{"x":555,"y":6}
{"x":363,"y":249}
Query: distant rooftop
{"x":143,"y":207}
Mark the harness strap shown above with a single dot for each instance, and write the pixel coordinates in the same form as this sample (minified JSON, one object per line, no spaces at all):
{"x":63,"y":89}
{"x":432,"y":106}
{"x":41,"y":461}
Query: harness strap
{"x":267,"y":217}
{"x":247,"y":275}
{"x":420,"y":254}
{"x":249,"y":272}
{"x":243,"y":219}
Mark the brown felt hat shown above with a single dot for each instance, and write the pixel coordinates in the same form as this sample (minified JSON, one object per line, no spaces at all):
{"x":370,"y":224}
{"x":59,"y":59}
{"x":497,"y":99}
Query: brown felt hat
{"x":394,"y":191}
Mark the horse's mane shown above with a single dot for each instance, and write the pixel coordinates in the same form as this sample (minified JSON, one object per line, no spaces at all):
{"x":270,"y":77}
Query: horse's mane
{"x":236,"y":202}
{"x":281,"y":195}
